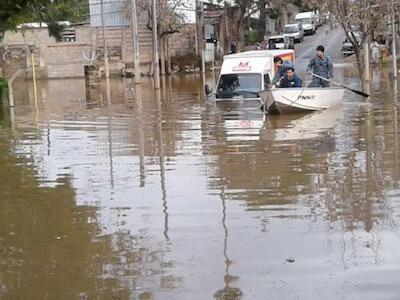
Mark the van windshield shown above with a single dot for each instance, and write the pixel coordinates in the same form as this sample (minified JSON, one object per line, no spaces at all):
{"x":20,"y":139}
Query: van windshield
{"x":305,"y":20}
{"x":247,"y":84}
{"x":290,"y":29}
{"x":277,"y":40}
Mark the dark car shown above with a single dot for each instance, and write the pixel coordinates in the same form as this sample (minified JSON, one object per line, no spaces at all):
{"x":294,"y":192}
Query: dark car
{"x":347,"y":46}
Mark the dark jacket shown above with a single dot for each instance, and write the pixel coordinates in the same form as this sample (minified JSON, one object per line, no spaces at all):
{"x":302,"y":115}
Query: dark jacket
{"x":294,"y":82}
{"x":321,"y":66}
{"x":281,"y":72}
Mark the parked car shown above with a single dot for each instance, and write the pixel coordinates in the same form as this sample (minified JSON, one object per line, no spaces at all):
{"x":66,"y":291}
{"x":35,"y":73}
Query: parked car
{"x":347,"y":46}
{"x":294,"y":30}
{"x":278,"y":40}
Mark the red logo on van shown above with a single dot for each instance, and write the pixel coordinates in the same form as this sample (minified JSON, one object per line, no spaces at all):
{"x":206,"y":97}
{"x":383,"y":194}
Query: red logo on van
{"x":242,"y":67}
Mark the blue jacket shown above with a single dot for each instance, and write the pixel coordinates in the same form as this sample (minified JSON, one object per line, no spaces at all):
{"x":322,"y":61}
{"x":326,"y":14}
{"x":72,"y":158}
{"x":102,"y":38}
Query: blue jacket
{"x":281,"y":72}
{"x":294,"y":82}
{"x":321,"y":66}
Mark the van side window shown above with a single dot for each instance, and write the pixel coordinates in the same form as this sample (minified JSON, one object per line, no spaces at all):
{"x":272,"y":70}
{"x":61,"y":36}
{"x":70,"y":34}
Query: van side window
{"x":267,"y":80}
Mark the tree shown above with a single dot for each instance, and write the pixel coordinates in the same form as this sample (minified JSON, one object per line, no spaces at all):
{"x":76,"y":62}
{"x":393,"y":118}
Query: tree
{"x":169,"y":21}
{"x":275,"y":9}
{"x":11,"y":13}
{"x":16,"y":12}
{"x":359,"y":19}
{"x":244,"y":8}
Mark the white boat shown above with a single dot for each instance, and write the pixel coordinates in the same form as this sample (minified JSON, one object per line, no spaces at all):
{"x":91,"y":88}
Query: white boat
{"x":289,"y":100}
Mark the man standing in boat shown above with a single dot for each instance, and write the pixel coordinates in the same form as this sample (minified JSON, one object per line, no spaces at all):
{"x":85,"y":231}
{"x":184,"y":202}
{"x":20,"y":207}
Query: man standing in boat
{"x":320,"y":65}
{"x":291,"y":80}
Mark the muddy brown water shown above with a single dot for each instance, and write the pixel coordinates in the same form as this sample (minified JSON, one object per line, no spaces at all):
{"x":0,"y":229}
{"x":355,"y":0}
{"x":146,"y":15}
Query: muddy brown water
{"x":164,"y":196}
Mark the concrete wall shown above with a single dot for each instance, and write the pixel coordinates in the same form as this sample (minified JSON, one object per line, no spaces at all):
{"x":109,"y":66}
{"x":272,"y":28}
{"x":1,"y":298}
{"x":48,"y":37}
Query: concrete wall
{"x":65,"y":59}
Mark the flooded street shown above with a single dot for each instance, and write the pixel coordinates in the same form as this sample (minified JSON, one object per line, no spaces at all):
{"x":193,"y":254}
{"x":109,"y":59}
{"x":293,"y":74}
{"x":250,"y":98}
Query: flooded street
{"x":163,"y":195}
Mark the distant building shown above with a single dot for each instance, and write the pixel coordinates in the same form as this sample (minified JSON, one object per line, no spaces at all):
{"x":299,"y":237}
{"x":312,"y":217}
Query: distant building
{"x":113,"y":13}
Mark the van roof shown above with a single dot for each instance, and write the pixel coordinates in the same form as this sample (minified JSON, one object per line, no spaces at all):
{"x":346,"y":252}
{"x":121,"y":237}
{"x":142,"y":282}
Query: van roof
{"x":280,"y":36}
{"x":257,"y":53}
{"x":292,"y":25}
{"x":307,"y":14}
{"x":257,"y":61}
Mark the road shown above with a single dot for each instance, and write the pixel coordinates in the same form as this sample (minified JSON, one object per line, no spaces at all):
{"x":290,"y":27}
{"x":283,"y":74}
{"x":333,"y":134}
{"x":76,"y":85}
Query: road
{"x":331,"y":39}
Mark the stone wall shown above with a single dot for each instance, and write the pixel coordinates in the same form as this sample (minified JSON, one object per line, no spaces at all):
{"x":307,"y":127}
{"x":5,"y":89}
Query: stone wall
{"x":52,"y":59}
{"x":65,"y":59}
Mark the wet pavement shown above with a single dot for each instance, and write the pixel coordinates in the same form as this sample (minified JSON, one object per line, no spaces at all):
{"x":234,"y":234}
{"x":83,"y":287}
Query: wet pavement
{"x":163,"y":195}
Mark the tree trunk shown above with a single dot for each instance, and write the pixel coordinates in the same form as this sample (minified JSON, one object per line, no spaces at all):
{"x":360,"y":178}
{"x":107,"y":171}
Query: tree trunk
{"x":359,"y":64}
{"x":282,"y":19}
{"x":162,"y":55}
{"x":240,"y":31}
{"x":168,"y":55}
{"x":366,"y":60}
{"x":263,"y":20}
{"x":226,"y":36}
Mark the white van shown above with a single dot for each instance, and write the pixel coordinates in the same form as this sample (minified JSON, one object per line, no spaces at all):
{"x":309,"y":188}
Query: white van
{"x":243,"y":75}
{"x":308,"y":20}
{"x":295,"y":31}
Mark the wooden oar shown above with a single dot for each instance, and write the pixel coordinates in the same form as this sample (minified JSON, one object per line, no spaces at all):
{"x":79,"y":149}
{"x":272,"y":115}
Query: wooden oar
{"x":346,"y":87}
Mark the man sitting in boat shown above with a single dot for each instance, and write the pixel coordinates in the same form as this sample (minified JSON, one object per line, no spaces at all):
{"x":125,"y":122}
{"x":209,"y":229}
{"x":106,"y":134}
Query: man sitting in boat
{"x":281,"y":67}
{"x":320,"y":65}
{"x":291,"y":80}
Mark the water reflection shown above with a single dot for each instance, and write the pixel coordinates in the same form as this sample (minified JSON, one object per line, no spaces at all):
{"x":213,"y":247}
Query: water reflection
{"x":160,"y":139}
{"x":46,"y":240}
{"x":227,"y":292}
{"x":139,"y":111}
{"x":155,"y":194}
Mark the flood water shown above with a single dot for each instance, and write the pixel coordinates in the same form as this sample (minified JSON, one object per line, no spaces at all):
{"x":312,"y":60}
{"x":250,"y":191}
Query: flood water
{"x":164,"y":196}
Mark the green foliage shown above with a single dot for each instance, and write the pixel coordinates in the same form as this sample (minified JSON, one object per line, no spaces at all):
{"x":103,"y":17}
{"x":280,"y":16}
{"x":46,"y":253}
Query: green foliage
{"x":273,"y":13}
{"x":255,"y":23}
{"x":16,"y":12}
{"x":3,"y":85}
{"x":252,"y":37}
{"x":3,"y":89}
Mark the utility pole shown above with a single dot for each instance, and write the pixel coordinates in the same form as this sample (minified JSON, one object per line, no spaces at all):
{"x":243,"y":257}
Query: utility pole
{"x":107,"y":71}
{"x":135,"y":39}
{"x":202,"y":44}
{"x":156,"y":66}
{"x":367,"y":74}
{"x":394,"y":52}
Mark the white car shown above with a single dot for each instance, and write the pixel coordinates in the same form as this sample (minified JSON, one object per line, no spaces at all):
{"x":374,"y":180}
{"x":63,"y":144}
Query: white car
{"x":278,"y":40}
{"x":295,"y":31}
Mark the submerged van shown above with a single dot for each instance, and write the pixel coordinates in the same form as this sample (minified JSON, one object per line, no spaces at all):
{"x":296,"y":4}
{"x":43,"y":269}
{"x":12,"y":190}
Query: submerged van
{"x":243,"y":75}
